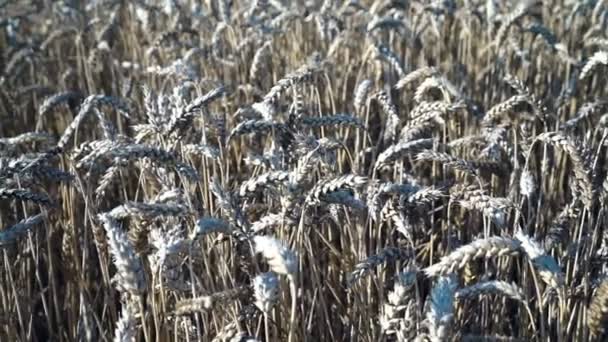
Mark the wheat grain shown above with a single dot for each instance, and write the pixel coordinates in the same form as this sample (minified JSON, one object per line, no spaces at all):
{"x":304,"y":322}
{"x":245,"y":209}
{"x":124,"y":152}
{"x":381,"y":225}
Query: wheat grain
{"x":266,"y":291}
{"x":130,"y":275}
{"x":545,"y":264}
{"x":400,"y":149}
{"x":362,"y":93}
{"x":491,"y":287}
{"x":206,"y":303}
{"x":441,"y":309}
{"x":598,"y":58}
{"x":11,"y":234}
{"x":256,"y":183}
{"x":26,"y":195}
{"x":280,"y":259}
{"x":388,"y":254}
{"x":483,"y":248}
{"x":598,"y":309}
{"x":126,"y":329}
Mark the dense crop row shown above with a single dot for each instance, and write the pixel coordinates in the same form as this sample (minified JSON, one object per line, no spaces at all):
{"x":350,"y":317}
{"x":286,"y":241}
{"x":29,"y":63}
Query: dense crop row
{"x":303,"y":170}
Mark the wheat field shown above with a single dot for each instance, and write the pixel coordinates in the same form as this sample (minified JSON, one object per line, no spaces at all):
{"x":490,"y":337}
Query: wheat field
{"x":274,"y":170}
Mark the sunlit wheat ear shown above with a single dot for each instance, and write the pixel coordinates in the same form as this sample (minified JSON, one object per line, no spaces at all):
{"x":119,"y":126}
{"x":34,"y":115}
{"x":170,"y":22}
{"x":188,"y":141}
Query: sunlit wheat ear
{"x":251,"y":126}
{"x":362,"y":93}
{"x":416,"y":131}
{"x":180,"y":120}
{"x":482,"y":248}
{"x":500,"y":110}
{"x":169,"y":195}
{"x":527,"y":184}
{"x":262,"y":55}
{"x":426,"y":119}
{"x":424,"y":196}
{"x":19,"y":171}
{"x":110,"y":175}
{"x":11,"y":234}
{"x":266,"y":291}
{"x":86,"y":109}
{"x":404,"y":281}
{"x":588,"y":109}
{"x":582,"y":178}
{"x":326,"y":186}
{"x":233,"y":333}
{"x":26,"y":195}
{"x":436,"y":111}
{"x":447,"y":160}
{"x":207,"y":303}
{"x":392,"y":121}
{"x":202,"y":150}
{"x":385,"y":54}
{"x":280,"y":259}
{"x":18,"y":58}
{"x":254,"y":184}
{"x":495,"y":208}
{"x":546,"y":266}
{"x":399,"y":314}
{"x":56,"y":35}
{"x":167,"y":245}
{"x":399,"y":219}
{"x":228,"y":203}
{"x":10,"y":143}
{"x":508,"y":21}
{"x":270,"y":221}
{"x":432,"y":87}
{"x":598,"y":311}
{"x":207,"y":225}
{"x":414,"y":76}
{"x":388,"y":254}
{"x":126,"y":151}
{"x":126,"y":327}
{"x":217,"y":44}
{"x":559,"y":228}
{"x":596,"y":41}
{"x":441,"y":309}
{"x":130,"y":275}
{"x":491,"y":287}
{"x":346,"y":198}
{"x":388,"y":23}
{"x":148,"y":210}
{"x":400,"y":150}
{"x":521,"y":89}
{"x":331,"y":120}
{"x":598,"y":58}
{"x":304,"y":74}
{"x":297,"y":109}
{"x":378,"y":192}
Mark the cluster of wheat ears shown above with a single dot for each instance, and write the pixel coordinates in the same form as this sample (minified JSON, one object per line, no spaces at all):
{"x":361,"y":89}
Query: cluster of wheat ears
{"x":266,"y":170}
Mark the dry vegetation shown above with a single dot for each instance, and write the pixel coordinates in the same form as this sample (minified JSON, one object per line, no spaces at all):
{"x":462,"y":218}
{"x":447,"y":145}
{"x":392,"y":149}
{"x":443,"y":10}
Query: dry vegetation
{"x":287,"y":171}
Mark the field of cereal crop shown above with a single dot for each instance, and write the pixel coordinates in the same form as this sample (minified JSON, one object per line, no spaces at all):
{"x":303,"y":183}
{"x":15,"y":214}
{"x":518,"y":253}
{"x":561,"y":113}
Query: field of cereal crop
{"x":277,"y":170}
